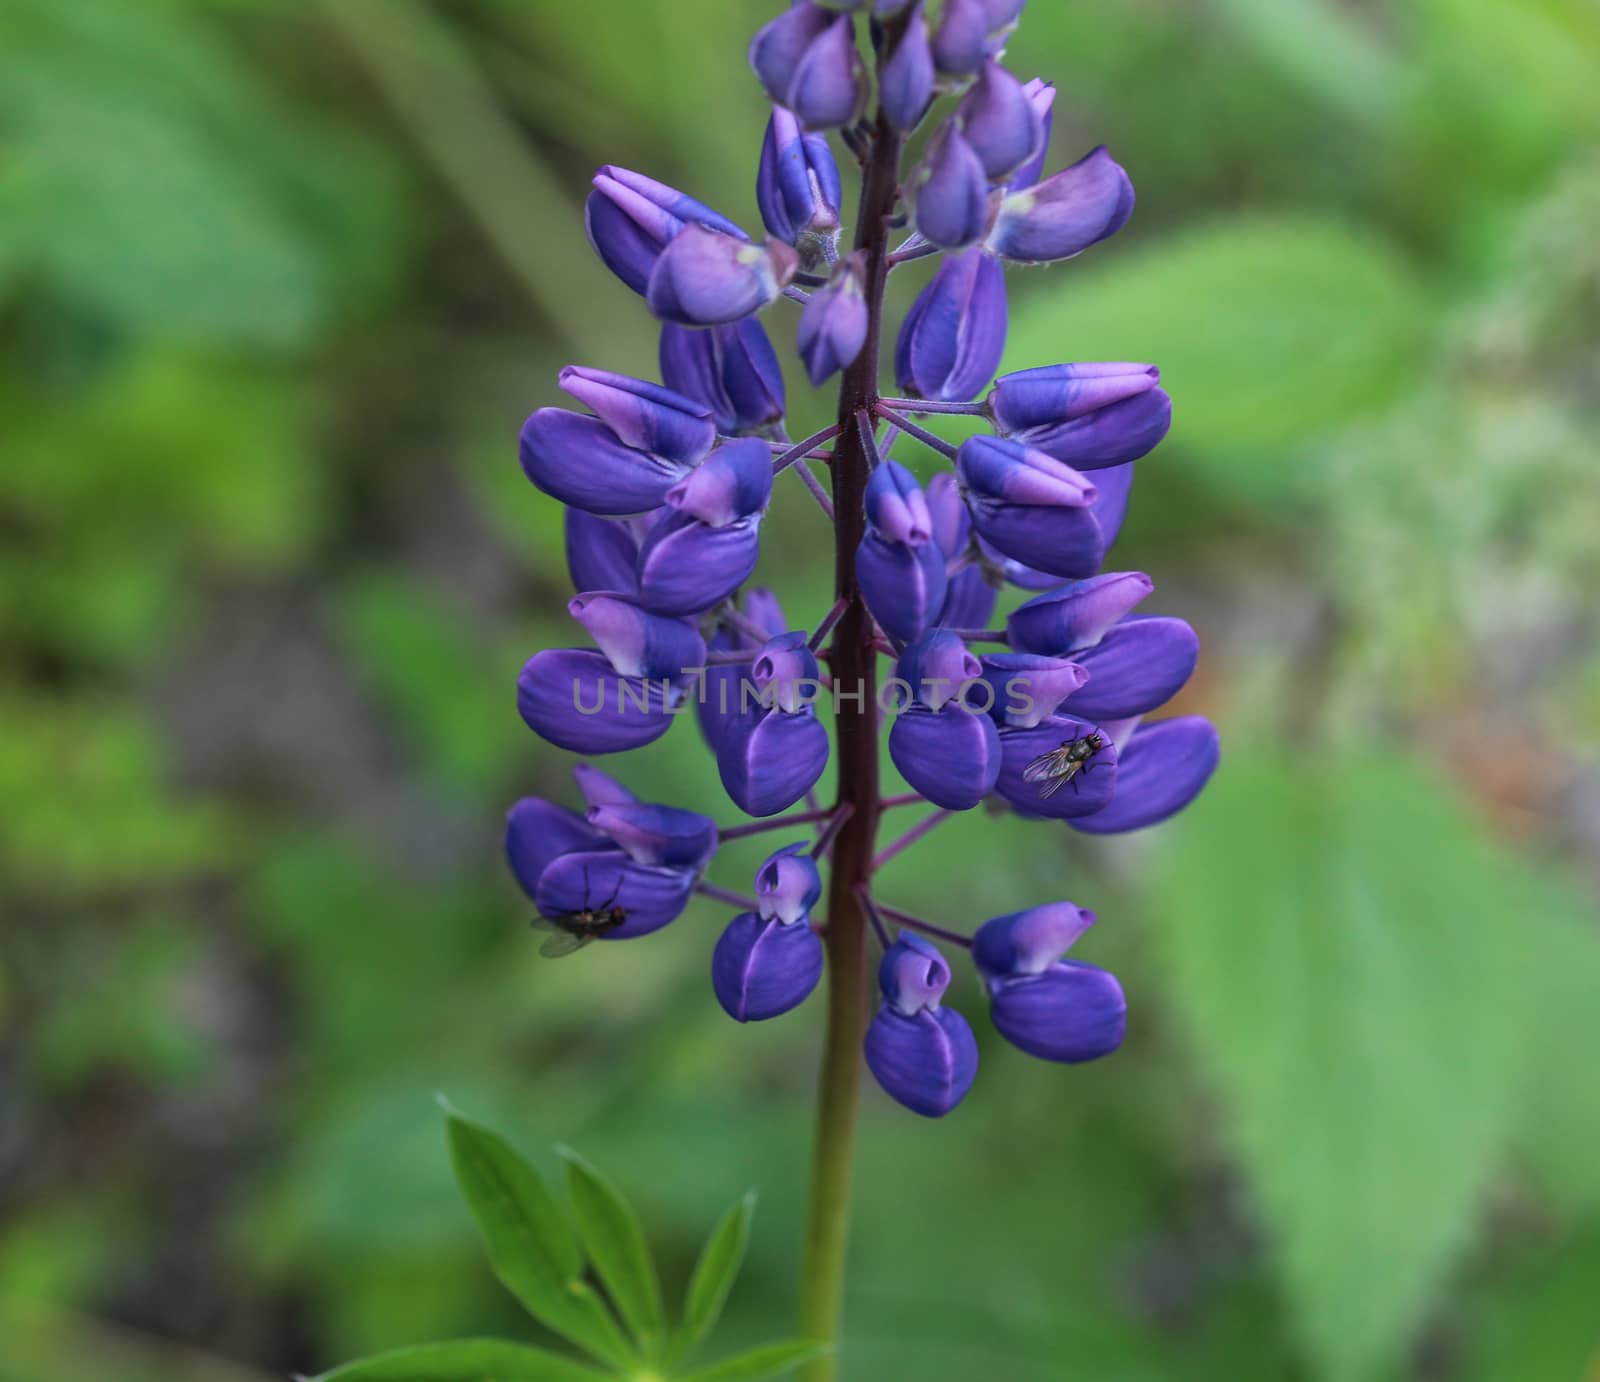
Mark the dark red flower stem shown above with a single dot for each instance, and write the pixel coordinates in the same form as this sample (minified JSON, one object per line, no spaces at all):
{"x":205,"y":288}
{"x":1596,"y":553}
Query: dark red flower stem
{"x":854,"y":666}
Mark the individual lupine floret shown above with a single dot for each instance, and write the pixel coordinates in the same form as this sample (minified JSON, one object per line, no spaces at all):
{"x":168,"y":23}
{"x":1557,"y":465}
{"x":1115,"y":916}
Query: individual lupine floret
{"x":833,"y":324}
{"x":620,"y":695}
{"x":1076,"y":616}
{"x":639,"y":858}
{"x":1090,"y":415}
{"x":643,"y":415}
{"x":1031,"y":506}
{"x":705,"y":543}
{"x":582,"y":462}
{"x":1065,"y":214}
{"x":630,"y":219}
{"x":1082,"y":792}
{"x":770,"y":758}
{"x":706,"y":278}
{"x":768,"y":961}
{"x":732,"y":369}
{"x":1000,"y":123}
{"x":602,"y":553}
{"x":970,"y":593}
{"x":922,"y":1053}
{"x":906,"y":86}
{"x":946,"y":750}
{"x":951,"y":340}
{"x":806,"y":59}
{"x":1027,"y":688}
{"x":900,"y":567}
{"x":797,"y":188}
{"x":950,"y":191}
{"x":1058,"y":1010}
{"x":729,"y":692}
{"x":1141,"y":663}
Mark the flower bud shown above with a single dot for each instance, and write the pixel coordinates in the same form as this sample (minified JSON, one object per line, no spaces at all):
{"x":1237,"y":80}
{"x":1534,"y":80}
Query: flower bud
{"x":1000,"y":122}
{"x":649,"y":895}
{"x":1030,"y":941}
{"x":733,"y":482}
{"x":833,"y":323}
{"x":732,"y":369}
{"x":630,"y":219}
{"x":924,"y":1055}
{"x":643,"y":415}
{"x":1140,"y":664}
{"x":958,"y":43}
{"x":788,"y":885}
{"x":763,"y":967}
{"x":797,"y":187}
{"x":686,"y":566}
{"x":1090,"y":416}
{"x":951,"y":191}
{"x":704,"y":277}
{"x":900,"y":568}
{"x":601,"y":552}
{"x":1029,"y":687}
{"x":1043,"y":96}
{"x":905,"y":88}
{"x":952,"y":338}
{"x":779,"y":45}
{"x":787,"y":671}
{"x":1168,"y":763}
{"x":1031,"y":506}
{"x":1031,"y":793}
{"x":582,"y":462}
{"x":651,"y":834}
{"x":1065,"y":214}
{"x":829,"y":87}
{"x":1076,"y":616}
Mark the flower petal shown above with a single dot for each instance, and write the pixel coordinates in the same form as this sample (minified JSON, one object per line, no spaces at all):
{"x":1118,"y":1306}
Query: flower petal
{"x":769,"y":761}
{"x":1086,"y":792}
{"x":651,"y":894}
{"x":1167,"y":763}
{"x":762,"y":968}
{"x":686,"y":567}
{"x":951,"y":340}
{"x":538,"y":832}
{"x":652,"y":834}
{"x":1072,"y":1012}
{"x":582,"y":462}
{"x":951,"y":756}
{"x":1139,"y":665}
{"x":601,"y":552}
{"x":926,"y":1062}
{"x":574,"y":698}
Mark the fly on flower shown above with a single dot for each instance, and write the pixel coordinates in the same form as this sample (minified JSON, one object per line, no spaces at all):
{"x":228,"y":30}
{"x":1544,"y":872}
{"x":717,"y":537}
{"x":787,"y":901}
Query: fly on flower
{"x":570,"y":933}
{"x":1062,"y":765}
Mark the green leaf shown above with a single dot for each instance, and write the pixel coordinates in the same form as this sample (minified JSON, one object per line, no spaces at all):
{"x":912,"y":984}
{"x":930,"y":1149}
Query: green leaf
{"x":714,"y":1274}
{"x":616,"y":1243}
{"x":1344,"y":950}
{"x":1271,"y":333}
{"x":770,"y":1360}
{"x":464,"y":1360}
{"x":531,"y":1245}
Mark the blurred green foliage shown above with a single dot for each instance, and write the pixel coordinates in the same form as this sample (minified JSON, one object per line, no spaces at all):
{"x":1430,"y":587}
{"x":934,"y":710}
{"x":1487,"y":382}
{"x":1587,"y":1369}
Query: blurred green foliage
{"x":278,"y":282}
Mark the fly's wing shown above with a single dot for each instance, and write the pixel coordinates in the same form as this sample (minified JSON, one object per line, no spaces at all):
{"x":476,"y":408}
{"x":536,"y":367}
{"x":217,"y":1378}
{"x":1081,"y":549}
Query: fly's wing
{"x":1045,"y":765}
{"x":560,"y":941}
{"x":1056,"y":783}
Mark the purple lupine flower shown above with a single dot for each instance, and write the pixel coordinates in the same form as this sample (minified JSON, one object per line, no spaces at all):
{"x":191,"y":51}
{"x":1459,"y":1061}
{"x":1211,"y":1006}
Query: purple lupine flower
{"x":667,"y":486}
{"x":922,"y":1053}
{"x":952,"y":338}
{"x":907,"y":86}
{"x":951,"y":191}
{"x":706,"y":278}
{"x":1058,"y":1010}
{"x":1000,"y":122}
{"x":797,"y":188}
{"x":1031,"y":506}
{"x":1065,"y":214}
{"x":630,"y":219}
{"x":768,"y":961}
{"x":807,"y":61}
{"x":900,"y":567}
{"x":1089,"y":416}
{"x":732,"y":369}
{"x":833,"y":324}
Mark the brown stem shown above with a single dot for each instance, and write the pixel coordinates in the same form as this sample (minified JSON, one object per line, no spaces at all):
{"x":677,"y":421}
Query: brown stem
{"x":854,"y":668}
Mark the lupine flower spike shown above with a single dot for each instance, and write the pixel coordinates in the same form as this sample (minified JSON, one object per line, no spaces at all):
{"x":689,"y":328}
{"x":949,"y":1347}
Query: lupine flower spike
{"x":1042,"y":712}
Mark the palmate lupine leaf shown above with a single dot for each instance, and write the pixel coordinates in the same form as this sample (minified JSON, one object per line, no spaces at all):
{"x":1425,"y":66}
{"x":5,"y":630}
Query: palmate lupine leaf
{"x":616,"y":1243}
{"x":531,"y":1245}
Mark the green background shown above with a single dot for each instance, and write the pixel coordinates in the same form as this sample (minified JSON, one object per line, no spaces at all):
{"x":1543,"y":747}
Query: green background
{"x":278,"y":283}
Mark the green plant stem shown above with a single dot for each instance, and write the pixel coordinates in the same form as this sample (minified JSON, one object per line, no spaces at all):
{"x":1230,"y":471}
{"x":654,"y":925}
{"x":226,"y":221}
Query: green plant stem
{"x":856,"y":720}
